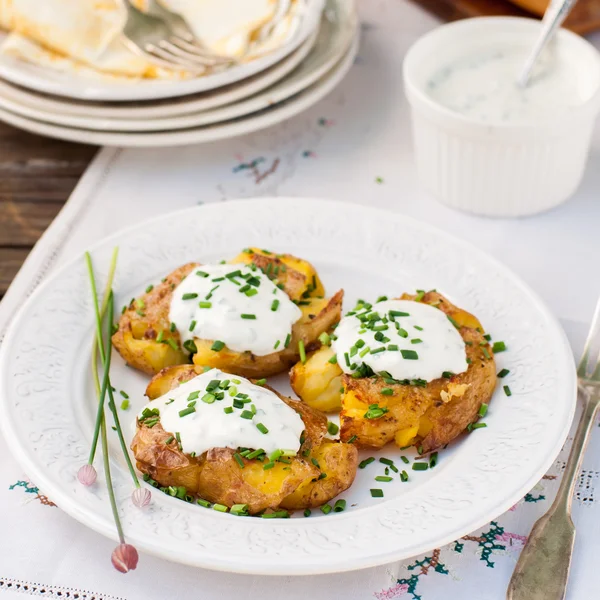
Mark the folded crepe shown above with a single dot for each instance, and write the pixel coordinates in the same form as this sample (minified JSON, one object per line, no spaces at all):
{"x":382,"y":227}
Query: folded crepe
{"x":88,"y":34}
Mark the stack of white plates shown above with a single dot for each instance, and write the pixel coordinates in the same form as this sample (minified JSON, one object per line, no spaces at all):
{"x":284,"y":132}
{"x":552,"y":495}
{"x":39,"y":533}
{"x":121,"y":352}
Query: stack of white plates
{"x":241,"y":99}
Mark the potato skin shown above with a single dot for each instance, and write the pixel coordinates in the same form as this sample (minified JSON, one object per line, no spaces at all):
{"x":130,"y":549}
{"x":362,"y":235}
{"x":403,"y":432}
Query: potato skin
{"x":143,"y":320}
{"x":146,"y":317}
{"x":217,"y":477}
{"x":429,"y":416}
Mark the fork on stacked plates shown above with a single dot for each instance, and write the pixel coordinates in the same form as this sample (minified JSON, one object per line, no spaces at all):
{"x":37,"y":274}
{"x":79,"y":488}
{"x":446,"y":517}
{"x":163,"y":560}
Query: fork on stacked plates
{"x":170,"y":72}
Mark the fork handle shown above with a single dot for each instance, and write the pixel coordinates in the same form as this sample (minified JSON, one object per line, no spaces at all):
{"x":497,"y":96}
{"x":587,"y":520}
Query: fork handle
{"x":542,"y":571}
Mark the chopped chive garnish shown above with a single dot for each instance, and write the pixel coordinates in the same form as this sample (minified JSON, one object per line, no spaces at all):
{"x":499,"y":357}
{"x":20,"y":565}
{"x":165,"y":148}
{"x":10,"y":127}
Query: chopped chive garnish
{"x":366,"y":462}
{"x":189,"y":296}
{"x":483,"y":410}
{"x":169,"y":439}
{"x":251,"y":292}
{"x":220,"y":507}
{"x":503,"y":373}
{"x":433,"y":458}
{"x":201,"y":274}
{"x":387,"y":391}
{"x":398,"y":313}
{"x":217,"y":346}
{"x":124,"y":394}
{"x":307,"y":512}
{"x":187,"y":411}
{"x":261,"y":381}
{"x":416,"y":341}
{"x":228,"y":410}
{"x":189,"y":345}
{"x":192,"y":326}
{"x":386,"y":461}
{"x":324,"y":338}
{"x":274,"y":304}
{"x":392,"y":347}
{"x":377,"y":350}
{"x":172,"y":327}
{"x":402,"y":332}
{"x":339,"y":506}
{"x":302,"y":352}
{"x":352,"y":439}
{"x":409,"y":354}
{"x":326,"y":509}
{"x":478,"y":425}
{"x":404,"y":459}
{"x":332,"y":428}
{"x":262,"y":428}
{"x":149,"y":288}
{"x":333,"y":360}
{"x":204,"y":304}
{"x":420,"y":466}
{"x":268,"y":466}
{"x":239,"y":509}
{"x":453,"y":322}
{"x":255,"y":453}
{"x":276,"y":344}
{"x":208,"y":398}
{"x":404,"y":476}
{"x":376,"y":493}
{"x":247,"y":414}
{"x":507,"y":391}
{"x":418,"y":328}
{"x":287,"y":340}
{"x":239,"y":460}
{"x":447,"y":374}
{"x":383,"y":478}
{"x":248,"y":316}
{"x":498,"y":347}
{"x":364,"y":351}
{"x":203,"y":502}
{"x":486,"y":353}
{"x":125,"y":405}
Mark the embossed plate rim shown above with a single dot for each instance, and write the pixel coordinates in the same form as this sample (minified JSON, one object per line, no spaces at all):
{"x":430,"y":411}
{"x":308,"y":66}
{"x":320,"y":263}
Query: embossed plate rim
{"x":346,"y":541}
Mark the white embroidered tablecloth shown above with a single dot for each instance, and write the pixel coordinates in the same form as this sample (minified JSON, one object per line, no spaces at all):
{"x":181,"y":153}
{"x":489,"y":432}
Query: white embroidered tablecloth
{"x":354,"y":146}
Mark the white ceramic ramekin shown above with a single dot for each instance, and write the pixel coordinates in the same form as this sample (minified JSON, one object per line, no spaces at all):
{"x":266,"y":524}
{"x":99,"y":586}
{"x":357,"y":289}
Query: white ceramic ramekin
{"x":500,"y":170}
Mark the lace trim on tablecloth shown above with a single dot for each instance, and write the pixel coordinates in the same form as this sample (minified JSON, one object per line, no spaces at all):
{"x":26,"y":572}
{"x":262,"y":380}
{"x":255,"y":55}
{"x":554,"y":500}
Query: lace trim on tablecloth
{"x":51,"y":591}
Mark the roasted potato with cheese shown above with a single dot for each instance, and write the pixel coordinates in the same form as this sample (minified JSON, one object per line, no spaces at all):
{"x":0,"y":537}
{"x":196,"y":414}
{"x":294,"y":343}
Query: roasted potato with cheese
{"x":322,"y":469}
{"x":428,"y":416}
{"x":148,"y":341}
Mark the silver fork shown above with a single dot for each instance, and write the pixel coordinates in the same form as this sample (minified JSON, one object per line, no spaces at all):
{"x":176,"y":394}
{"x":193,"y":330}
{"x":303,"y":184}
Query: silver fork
{"x":165,"y":38}
{"x":542,"y":571}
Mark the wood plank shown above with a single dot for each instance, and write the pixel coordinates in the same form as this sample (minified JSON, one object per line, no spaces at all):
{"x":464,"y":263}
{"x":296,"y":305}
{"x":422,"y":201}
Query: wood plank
{"x":37,"y":176}
{"x":11,"y":260}
{"x":22,"y":223}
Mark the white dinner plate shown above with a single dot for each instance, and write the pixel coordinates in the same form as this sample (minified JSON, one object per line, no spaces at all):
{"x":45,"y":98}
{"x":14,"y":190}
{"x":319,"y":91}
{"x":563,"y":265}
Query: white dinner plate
{"x":324,"y":49}
{"x":74,"y":84}
{"x":208,"y":133}
{"x":47,"y":404}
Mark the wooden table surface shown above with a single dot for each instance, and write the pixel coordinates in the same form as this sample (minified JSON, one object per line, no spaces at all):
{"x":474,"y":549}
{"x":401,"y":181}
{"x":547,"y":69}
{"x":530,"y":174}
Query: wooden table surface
{"x":37,"y":176}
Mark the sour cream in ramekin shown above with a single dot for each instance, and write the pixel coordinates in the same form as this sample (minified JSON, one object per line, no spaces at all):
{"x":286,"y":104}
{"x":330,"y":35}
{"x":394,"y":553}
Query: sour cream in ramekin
{"x":483,"y":144}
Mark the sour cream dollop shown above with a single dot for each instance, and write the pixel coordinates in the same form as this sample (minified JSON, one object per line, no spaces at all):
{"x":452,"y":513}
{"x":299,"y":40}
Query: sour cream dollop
{"x":219,"y":410}
{"x":407,"y":339}
{"x":235,"y":304}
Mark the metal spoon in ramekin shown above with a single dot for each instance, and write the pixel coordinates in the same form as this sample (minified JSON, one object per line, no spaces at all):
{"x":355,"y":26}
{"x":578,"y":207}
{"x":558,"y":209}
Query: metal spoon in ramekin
{"x":555,"y":14}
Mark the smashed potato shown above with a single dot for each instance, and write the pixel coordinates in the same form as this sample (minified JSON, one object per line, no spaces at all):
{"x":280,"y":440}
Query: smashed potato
{"x":428,"y":416}
{"x":322,"y":469}
{"x":147,"y":340}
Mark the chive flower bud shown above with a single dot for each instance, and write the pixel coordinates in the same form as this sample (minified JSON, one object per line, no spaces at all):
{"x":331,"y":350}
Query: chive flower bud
{"x":124,"y":558}
{"x":87,"y":475}
{"x":141,"y":497}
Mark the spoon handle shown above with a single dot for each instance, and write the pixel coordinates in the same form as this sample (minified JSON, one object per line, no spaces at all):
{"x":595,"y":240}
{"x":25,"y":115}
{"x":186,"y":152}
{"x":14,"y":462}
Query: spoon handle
{"x":555,"y":14}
